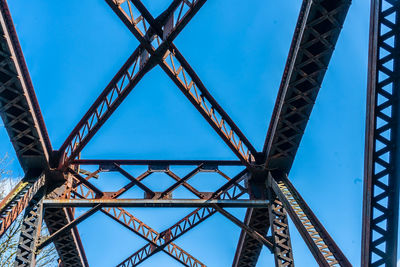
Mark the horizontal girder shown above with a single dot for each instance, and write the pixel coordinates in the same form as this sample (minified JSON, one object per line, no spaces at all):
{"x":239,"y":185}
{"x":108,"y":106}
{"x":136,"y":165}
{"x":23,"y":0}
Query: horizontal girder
{"x":156,"y":203}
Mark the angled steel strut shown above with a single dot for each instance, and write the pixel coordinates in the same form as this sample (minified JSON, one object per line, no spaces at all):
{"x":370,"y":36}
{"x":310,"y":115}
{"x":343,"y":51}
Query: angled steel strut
{"x":314,"y":40}
{"x":382,"y":153}
{"x":55,"y":184}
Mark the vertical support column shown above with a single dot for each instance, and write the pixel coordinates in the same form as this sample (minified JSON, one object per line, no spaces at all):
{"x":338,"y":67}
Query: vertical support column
{"x":30,"y":232}
{"x":382,"y":150}
{"x":283,"y":252}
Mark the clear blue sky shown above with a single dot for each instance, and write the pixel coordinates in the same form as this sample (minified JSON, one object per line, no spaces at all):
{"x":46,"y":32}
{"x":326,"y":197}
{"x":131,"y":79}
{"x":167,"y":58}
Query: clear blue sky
{"x":73,"y":48}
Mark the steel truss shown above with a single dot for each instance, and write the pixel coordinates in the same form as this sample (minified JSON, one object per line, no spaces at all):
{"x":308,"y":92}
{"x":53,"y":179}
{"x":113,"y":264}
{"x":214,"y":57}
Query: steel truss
{"x":382,"y":154}
{"x":30,"y":231}
{"x":262,"y":186}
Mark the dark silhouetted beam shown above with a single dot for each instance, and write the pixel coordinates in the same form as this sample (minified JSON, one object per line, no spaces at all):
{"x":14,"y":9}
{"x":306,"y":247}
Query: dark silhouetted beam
{"x":30,"y":232}
{"x":19,"y":108}
{"x":382,"y":152}
{"x":314,"y":40}
{"x":283,"y":252}
{"x":68,"y":245}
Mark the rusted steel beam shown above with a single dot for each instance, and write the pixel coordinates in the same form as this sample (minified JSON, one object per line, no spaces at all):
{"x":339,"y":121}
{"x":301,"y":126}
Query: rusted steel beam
{"x":251,"y":232}
{"x":181,"y":181}
{"x":19,"y":108}
{"x":314,"y":41}
{"x":318,"y":240}
{"x":23,"y":120}
{"x":85,"y":182}
{"x":109,"y":162}
{"x":382,"y":153}
{"x":117,"y":90}
{"x":181,"y":73}
{"x":186,"y":185}
{"x":68,"y":227}
{"x":135,"y":225}
{"x":69,"y":245}
{"x":283,"y":252}
{"x":228,"y":191}
{"x":129,"y":221}
{"x":18,"y":199}
{"x":133,"y":179}
{"x":156,"y":203}
{"x":30,"y":232}
{"x":316,"y":34}
{"x":113,"y":95}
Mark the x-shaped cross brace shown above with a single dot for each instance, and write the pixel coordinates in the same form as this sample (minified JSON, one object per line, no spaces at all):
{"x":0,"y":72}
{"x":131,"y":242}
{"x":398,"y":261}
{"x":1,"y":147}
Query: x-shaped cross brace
{"x":80,"y":187}
{"x":156,"y":47}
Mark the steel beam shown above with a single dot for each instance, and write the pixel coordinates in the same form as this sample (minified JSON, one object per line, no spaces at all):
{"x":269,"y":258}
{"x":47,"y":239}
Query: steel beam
{"x":66,"y":228}
{"x":19,"y":108}
{"x":109,"y":162}
{"x":141,"y":229}
{"x":182,"y":74}
{"x":251,"y":232}
{"x":30,"y":232}
{"x":132,"y":223}
{"x":382,"y":153}
{"x":314,"y":41}
{"x":320,"y":243}
{"x":316,"y":34}
{"x":68,"y":245}
{"x":156,"y":203}
{"x":113,"y":95}
{"x":228,"y":191}
{"x":283,"y":252}
{"x":18,"y":199}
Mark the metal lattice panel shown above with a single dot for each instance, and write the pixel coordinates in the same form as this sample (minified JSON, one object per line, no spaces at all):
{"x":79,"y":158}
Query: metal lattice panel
{"x":315,"y":37}
{"x":68,"y":246}
{"x":30,"y":232}
{"x":18,"y":199}
{"x":248,"y":252}
{"x":280,"y":233}
{"x":320,"y":243}
{"x":18,"y":104}
{"x":262,"y":186}
{"x":317,"y":32}
{"x":382,"y":179}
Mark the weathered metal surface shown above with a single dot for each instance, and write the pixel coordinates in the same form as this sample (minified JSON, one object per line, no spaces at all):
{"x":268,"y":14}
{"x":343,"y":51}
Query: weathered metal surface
{"x":109,"y":162}
{"x":18,"y":199}
{"x":156,"y":203}
{"x":68,"y":245}
{"x":229,"y":191}
{"x":19,"y":108}
{"x":30,"y":232}
{"x":320,"y":243}
{"x":314,"y":40}
{"x":382,"y":153}
{"x":283,"y":252}
{"x":315,"y":37}
{"x":181,"y":73}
